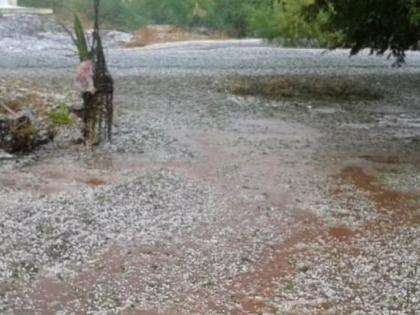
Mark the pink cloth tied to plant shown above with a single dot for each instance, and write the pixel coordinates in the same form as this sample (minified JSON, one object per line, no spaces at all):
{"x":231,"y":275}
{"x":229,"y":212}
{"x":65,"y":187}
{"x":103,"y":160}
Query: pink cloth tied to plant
{"x":84,"y":77}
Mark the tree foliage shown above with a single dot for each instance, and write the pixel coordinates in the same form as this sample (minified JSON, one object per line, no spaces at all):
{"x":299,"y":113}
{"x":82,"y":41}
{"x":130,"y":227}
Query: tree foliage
{"x":381,"y":25}
{"x":263,"y":18}
{"x":284,"y":19}
{"x":268,"y":18}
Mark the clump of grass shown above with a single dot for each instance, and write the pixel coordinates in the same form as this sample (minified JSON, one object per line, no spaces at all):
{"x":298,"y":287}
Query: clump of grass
{"x":326,"y":88}
{"x":62,"y":116}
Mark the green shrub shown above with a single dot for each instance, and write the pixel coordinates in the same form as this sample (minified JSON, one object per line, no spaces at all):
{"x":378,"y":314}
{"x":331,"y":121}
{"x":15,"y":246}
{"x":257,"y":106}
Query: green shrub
{"x":62,"y":116}
{"x":285,"y":21}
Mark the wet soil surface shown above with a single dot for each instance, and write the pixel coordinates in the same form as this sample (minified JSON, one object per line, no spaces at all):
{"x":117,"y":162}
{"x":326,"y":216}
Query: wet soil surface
{"x":213,"y":203}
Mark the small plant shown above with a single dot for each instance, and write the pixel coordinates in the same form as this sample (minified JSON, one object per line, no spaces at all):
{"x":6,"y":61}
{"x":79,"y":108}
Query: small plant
{"x":80,"y":40}
{"x":62,"y":116}
{"x":95,"y":82}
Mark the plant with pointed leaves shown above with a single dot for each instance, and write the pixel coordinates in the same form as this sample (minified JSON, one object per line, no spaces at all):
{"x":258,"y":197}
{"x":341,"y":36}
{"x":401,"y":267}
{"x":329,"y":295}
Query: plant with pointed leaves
{"x":80,"y":40}
{"x":95,"y":82}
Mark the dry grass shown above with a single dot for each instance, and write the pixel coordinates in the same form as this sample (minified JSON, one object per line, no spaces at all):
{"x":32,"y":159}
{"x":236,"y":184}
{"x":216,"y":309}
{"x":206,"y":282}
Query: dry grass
{"x":316,"y":88}
{"x":33,"y":101}
{"x":165,"y":34}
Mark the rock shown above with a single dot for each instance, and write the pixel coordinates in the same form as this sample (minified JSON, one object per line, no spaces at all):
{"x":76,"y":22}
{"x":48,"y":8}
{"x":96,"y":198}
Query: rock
{"x":4,"y":156}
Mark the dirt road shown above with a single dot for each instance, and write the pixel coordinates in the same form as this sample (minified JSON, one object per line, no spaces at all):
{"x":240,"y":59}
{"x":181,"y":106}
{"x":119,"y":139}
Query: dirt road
{"x":209,"y":202}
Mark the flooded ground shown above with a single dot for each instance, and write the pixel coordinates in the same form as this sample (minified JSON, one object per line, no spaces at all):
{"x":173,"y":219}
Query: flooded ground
{"x":211,"y":202}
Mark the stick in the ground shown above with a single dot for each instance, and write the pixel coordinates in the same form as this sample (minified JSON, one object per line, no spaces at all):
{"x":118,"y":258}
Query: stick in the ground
{"x":9,"y":110}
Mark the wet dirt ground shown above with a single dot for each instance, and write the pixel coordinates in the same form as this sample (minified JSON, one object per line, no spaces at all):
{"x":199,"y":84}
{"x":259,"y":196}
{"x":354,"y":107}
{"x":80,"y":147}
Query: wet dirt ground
{"x":313,"y":206}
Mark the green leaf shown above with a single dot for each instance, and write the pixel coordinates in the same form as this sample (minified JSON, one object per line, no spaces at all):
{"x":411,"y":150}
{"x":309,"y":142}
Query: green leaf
{"x":81,"y":43}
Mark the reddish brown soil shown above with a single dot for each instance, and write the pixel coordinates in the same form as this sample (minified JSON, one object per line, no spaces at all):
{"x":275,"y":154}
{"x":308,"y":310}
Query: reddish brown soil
{"x":96,"y":182}
{"x":253,"y":290}
{"x":166,"y":34}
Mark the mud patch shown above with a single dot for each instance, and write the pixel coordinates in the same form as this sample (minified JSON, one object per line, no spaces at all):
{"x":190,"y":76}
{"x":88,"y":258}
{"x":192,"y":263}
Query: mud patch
{"x":340,"y":233}
{"x":96,"y":182}
{"x":384,"y":199}
{"x":256,"y":306}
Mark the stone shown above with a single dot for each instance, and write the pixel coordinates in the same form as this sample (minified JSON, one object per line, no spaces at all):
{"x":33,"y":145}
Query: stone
{"x":4,"y":156}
